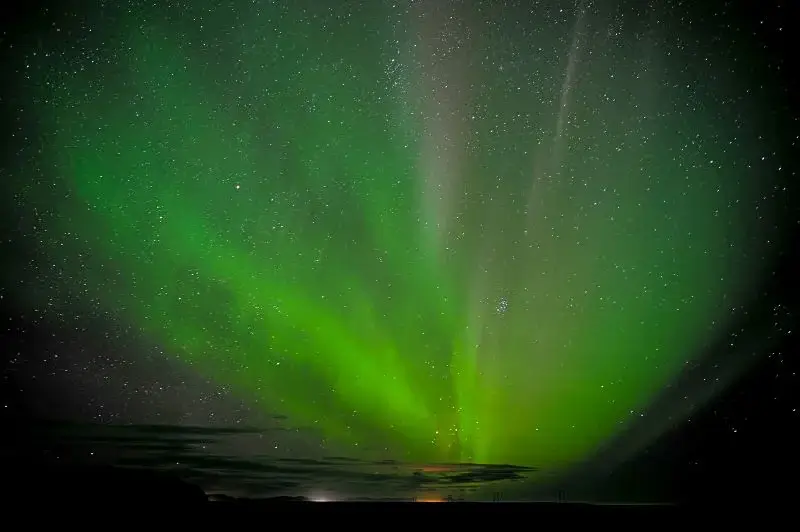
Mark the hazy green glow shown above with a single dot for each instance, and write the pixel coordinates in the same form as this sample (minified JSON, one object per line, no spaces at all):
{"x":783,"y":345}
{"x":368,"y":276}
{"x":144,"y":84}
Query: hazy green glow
{"x":272,"y":229}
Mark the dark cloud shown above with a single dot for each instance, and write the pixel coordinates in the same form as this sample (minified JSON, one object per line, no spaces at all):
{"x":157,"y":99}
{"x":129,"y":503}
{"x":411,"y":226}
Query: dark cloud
{"x":205,"y":457}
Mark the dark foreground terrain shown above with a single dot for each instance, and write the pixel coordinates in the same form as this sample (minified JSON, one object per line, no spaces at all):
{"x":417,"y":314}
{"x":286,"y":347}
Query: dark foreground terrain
{"x":60,"y":494}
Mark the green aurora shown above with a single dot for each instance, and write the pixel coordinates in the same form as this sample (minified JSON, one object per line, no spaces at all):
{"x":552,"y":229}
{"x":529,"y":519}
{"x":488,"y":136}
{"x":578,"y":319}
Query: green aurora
{"x":503,"y":263}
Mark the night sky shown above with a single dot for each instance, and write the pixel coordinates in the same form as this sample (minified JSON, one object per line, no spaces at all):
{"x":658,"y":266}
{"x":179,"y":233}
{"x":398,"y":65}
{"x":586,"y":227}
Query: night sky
{"x":551,"y":235}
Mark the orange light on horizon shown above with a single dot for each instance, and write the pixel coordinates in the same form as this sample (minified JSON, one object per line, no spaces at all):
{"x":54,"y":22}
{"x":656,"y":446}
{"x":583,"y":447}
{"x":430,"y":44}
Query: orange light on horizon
{"x":431,"y":499}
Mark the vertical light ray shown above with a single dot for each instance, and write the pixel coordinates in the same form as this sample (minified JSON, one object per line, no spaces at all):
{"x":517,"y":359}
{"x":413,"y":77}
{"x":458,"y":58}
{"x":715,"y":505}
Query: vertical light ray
{"x":445,"y":81}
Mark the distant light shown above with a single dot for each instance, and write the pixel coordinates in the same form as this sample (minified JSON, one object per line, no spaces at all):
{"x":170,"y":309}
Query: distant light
{"x":321,"y":497}
{"x":431,"y":499}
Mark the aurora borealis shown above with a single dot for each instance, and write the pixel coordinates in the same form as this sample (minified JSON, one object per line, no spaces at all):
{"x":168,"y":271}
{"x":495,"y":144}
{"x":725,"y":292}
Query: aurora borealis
{"x":434,"y":231}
